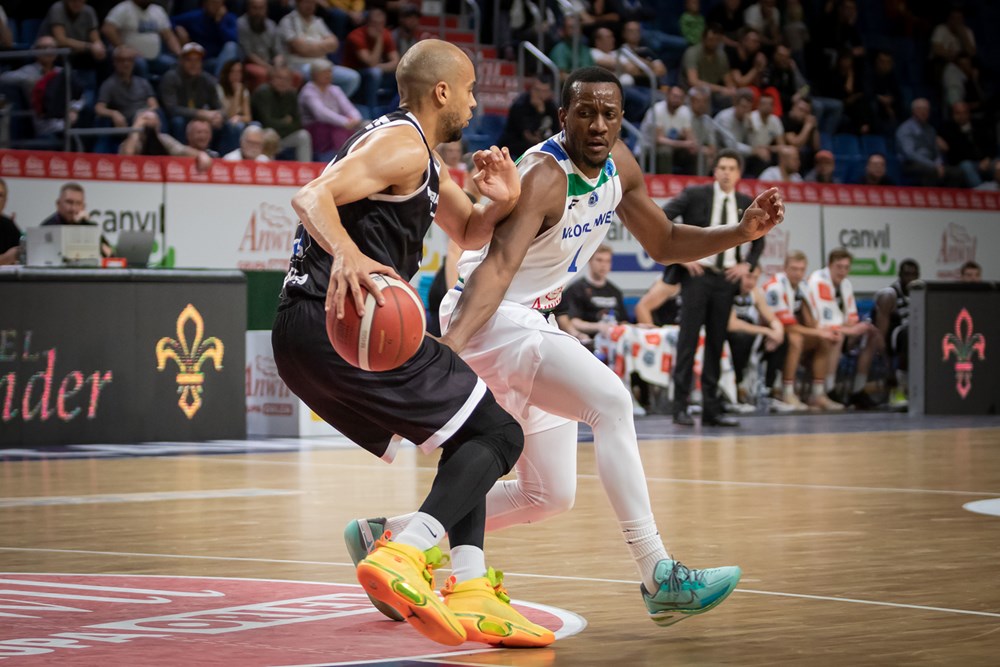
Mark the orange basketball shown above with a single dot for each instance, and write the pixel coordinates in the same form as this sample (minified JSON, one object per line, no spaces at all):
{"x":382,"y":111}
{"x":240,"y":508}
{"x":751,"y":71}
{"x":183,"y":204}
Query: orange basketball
{"x":388,"y":335}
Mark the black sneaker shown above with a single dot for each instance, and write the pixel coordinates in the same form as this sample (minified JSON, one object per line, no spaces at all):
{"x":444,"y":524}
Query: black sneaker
{"x":862,"y":400}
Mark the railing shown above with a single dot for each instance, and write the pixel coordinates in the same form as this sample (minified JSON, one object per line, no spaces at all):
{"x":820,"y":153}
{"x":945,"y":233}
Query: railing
{"x":528,"y":47}
{"x":648,"y":153}
{"x":647,"y":150}
{"x":569,"y":10}
{"x":67,"y":68}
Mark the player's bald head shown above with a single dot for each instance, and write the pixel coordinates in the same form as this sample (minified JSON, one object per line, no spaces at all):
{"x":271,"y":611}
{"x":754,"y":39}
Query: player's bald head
{"x":424,"y":65}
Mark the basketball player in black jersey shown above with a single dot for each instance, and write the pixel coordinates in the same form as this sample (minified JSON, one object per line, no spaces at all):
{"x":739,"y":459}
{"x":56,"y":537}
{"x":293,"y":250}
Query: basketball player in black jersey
{"x":368,"y":213}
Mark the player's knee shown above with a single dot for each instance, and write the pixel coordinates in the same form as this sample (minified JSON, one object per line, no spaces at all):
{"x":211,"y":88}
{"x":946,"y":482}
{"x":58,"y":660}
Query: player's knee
{"x":560,"y":497}
{"x":492,"y":427}
{"x":508,"y":442}
{"x":612,"y":398}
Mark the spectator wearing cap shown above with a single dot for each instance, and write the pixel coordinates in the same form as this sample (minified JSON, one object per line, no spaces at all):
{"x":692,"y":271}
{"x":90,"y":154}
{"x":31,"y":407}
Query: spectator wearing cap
{"x":214,"y":27}
{"x":188,"y":92}
{"x":309,"y":40}
{"x":822,"y":171}
{"x":875,"y":171}
{"x":145,"y":27}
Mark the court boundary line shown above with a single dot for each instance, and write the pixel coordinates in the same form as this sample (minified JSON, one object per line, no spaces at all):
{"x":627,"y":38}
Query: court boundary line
{"x":802,"y":596}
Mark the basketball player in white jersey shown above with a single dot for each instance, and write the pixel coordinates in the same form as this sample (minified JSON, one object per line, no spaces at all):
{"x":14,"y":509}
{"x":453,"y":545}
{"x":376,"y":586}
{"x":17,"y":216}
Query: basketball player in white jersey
{"x":496,"y":318}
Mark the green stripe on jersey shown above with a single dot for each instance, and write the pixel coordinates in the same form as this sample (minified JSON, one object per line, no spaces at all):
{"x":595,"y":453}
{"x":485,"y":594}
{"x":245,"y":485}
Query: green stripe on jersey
{"x":579,"y":186}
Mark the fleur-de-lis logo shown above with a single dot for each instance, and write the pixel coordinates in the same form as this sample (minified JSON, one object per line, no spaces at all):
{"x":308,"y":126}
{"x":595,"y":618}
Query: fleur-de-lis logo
{"x":189,"y":357}
{"x":964,"y":345}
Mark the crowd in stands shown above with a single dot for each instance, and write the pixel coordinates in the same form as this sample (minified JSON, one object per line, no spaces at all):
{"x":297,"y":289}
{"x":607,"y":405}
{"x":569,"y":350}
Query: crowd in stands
{"x":900,"y":92}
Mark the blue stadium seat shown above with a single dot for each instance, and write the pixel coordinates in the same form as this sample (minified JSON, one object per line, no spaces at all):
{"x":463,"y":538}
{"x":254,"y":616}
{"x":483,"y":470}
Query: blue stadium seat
{"x":27,"y":31}
{"x":486,"y":131}
{"x":846,"y":144}
{"x":874,"y":143}
{"x":826,"y":141}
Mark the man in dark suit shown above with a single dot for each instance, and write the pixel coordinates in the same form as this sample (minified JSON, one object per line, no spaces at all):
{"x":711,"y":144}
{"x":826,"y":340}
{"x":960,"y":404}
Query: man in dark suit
{"x":709,"y":286}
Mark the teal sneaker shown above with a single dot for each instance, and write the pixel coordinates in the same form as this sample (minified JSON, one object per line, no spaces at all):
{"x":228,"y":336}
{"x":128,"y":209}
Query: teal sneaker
{"x":360,"y":536}
{"x":684,"y":592}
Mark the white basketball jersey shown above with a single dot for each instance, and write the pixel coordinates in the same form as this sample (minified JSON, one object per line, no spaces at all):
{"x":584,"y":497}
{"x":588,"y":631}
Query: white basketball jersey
{"x":555,"y":256}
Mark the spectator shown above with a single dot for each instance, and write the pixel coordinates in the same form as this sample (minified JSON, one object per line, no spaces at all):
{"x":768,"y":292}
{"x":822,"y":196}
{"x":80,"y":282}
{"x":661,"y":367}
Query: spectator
{"x":563,"y":53}
{"x":74,"y":25}
{"x":327,"y":115}
{"x":199,"y":136}
{"x":632,"y":38}
{"x":146,"y":28}
{"x":272,"y":144}
{"x":920,"y":150}
{"x":709,"y":286}
{"x":875,"y":171}
{"x":703,"y":128}
{"x":842,"y":33}
{"x":251,"y":145}
{"x":275,"y":105}
{"x":728,"y":16}
{"x":24,"y":78}
{"x":787,"y":169}
{"x":844,"y":85}
{"x":533,"y":117}
{"x":123,"y":95}
{"x":706,"y":64}
{"x":753,"y":326}
{"x":951,"y":39}
{"x":746,"y":62}
{"x":734,"y":125}
{"x":71,"y":209}
{"x":371,"y":51}
{"x":10,"y":234}
{"x":884,"y":94}
{"x":783,"y":75}
{"x":691,"y":22}
{"x":660,"y":305}
{"x":971,"y":272}
{"x":961,"y":83}
{"x":595,"y":304}
{"x":604,"y":53}
{"x":801,"y":129}
{"x":188,"y":92}
{"x":765,"y":17}
{"x":994,"y":184}
{"x":308,"y":40}
{"x":786,"y":295}
{"x":667,"y":125}
{"x":970,"y":145}
{"x":831,"y":298}
{"x":149,"y":140}
{"x":891,"y":316}
{"x":260,"y":42}
{"x":766,"y":130}
{"x":823,"y":170}
{"x":408,"y":32}
{"x":234,"y":95}
{"x":796,"y":32}
{"x":214,"y":27}
{"x":451,"y":156}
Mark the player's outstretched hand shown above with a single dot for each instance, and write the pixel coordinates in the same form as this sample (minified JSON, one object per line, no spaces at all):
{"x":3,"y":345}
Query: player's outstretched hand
{"x":766,"y":211}
{"x":351,"y":270}
{"x":497,"y":178}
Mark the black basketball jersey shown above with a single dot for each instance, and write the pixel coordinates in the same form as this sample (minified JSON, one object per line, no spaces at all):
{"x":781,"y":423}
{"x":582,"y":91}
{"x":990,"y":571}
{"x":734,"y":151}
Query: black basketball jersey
{"x":388,"y":228}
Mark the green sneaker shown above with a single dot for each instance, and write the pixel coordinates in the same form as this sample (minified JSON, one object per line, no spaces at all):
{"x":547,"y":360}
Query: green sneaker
{"x":360,"y":536}
{"x":684,"y":592}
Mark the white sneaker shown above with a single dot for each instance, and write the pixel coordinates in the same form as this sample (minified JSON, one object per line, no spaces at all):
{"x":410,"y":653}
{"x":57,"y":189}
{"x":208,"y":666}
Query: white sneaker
{"x":795,"y":402}
{"x":638,"y":410}
{"x":774,"y":405}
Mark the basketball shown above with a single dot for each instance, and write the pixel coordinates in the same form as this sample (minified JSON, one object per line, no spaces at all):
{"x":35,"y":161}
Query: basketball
{"x":387,"y":336}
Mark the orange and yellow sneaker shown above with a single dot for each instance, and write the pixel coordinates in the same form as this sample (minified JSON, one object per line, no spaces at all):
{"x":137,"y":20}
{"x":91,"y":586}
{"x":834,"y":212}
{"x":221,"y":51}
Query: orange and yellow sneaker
{"x":483,"y":607}
{"x":398,"y":575}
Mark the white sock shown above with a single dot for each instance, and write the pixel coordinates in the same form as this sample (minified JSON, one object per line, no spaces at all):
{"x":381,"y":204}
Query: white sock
{"x":423,"y":532}
{"x":818,"y":389}
{"x":860,"y":380}
{"x":646,"y":547}
{"x":467,"y":562}
{"x":789,"y":391}
{"x":397,"y":524}
{"x":831,"y":381}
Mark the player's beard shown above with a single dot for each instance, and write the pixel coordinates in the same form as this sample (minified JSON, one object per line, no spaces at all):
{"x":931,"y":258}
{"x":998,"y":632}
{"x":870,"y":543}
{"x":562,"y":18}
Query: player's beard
{"x":451,"y":126}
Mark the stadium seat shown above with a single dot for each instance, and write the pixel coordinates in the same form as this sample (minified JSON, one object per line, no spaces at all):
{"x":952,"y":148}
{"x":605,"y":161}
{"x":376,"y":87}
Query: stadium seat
{"x":874,"y":143}
{"x":846,"y":144}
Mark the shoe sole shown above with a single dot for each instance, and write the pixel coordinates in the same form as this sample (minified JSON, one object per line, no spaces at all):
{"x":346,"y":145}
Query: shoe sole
{"x":496,"y":631}
{"x":355,"y":538}
{"x":667,"y":618}
{"x":424,"y":611}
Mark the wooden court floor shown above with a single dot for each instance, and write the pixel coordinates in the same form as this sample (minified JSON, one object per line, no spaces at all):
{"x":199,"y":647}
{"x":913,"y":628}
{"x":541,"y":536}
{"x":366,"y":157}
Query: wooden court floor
{"x":855,"y":547}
